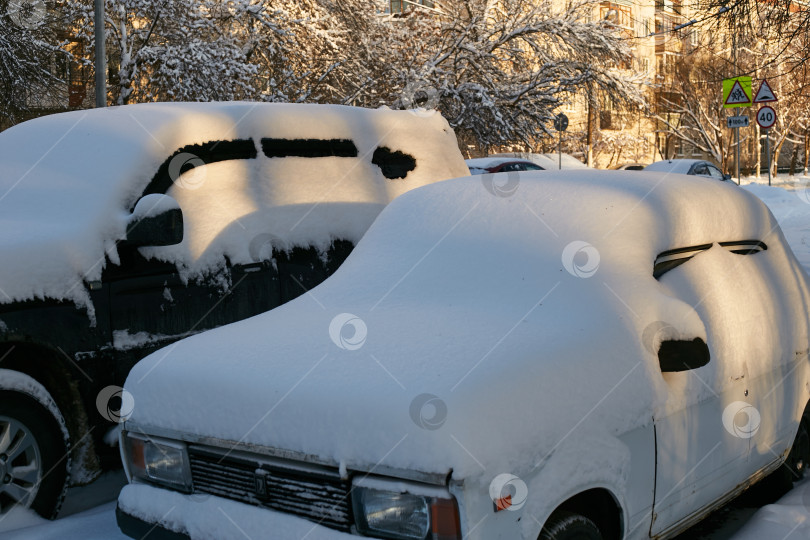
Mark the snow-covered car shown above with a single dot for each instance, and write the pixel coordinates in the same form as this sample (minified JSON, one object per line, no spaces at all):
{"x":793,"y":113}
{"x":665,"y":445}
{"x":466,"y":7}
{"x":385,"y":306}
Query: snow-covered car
{"x":696,"y":167}
{"x":549,"y":161}
{"x":568,"y":161}
{"x":580,"y":357}
{"x":500,"y":164}
{"x":125,"y":229}
{"x":629,"y":167}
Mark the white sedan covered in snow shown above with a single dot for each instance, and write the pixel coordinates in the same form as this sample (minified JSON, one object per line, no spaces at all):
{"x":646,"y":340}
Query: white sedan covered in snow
{"x":695,"y":167}
{"x":576,"y":357}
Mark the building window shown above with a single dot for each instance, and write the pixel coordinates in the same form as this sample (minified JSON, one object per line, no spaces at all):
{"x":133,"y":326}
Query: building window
{"x":670,"y":6}
{"x":618,"y":14}
{"x":400,"y":6}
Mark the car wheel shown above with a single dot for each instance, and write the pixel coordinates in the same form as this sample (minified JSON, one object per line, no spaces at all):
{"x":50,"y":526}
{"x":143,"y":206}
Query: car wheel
{"x":570,"y":526}
{"x":33,"y":455}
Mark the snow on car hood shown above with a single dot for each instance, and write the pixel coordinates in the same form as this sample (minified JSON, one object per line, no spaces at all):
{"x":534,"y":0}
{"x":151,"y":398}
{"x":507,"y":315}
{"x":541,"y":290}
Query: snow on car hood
{"x":68,"y":182}
{"x":472,"y":328}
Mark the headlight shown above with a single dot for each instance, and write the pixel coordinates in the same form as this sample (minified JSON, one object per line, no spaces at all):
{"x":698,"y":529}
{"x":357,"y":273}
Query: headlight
{"x":403,"y":511}
{"x":155,"y":460}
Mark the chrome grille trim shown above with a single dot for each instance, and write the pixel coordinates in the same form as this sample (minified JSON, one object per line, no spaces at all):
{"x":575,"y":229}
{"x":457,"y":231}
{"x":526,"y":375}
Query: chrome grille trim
{"x":319,"y":496}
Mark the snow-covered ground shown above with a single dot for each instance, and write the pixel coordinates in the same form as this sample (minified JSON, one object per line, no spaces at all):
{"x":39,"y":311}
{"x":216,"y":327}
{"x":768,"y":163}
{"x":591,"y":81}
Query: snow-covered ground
{"x":89,"y":512}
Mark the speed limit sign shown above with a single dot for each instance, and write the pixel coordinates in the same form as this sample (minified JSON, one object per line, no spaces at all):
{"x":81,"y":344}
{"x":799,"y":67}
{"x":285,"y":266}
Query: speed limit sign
{"x":766,"y":117}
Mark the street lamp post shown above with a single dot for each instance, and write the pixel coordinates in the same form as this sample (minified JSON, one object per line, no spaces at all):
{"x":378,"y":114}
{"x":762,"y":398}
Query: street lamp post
{"x":101,"y":56}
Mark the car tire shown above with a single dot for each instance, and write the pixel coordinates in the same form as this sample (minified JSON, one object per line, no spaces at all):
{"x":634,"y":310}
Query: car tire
{"x":570,"y":526}
{"x":31,"y":437}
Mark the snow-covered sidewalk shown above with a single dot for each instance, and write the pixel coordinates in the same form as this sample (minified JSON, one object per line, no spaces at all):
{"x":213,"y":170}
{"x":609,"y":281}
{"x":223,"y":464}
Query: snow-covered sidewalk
{"x":96,"y":524}
{"x":88,"y":514}
{"x":786,"y":519}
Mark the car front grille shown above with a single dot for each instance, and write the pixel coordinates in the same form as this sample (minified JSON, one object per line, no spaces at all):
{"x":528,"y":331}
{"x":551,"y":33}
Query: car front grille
{"x":317,"y":496}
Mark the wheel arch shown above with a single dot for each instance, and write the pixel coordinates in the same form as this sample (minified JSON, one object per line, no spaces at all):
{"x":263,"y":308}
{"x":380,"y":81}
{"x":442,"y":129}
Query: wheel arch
{"x":600,"y":506}
{"x":50,"y":369}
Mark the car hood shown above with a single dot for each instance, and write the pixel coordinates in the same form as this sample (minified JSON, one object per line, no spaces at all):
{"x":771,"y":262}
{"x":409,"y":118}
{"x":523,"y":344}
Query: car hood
{"x":468,"y":331}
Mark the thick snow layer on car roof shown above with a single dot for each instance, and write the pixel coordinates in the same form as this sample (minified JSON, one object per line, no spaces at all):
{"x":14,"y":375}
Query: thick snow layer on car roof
{"x":568,"y":161}
{"x":680,"y":166}
{"x":476,"y":324}
{"x":68,"y":181}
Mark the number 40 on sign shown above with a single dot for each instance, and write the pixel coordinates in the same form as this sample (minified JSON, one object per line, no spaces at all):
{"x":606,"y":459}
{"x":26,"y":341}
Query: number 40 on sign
{"x":766,"y":117}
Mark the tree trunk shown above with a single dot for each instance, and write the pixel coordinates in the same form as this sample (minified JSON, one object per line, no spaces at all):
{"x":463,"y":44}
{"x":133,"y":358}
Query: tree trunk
{"x":793,"y":159}
{"x":776,"y":149}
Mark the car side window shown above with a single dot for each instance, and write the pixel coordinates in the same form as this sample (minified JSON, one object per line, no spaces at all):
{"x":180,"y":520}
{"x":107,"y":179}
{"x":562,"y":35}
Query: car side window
{"x":672,"y":258}
{"x":700,"y":170}
{"x":714,"y":172}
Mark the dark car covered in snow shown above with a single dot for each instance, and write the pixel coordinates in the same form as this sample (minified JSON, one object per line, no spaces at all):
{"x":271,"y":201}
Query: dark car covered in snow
{"x":125,"y":229}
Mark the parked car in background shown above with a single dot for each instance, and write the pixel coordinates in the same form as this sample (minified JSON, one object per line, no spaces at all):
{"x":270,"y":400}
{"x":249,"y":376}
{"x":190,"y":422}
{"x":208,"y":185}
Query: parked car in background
{"x":538,"y":159}
{"x":629,"y":167}
{"x":549,"y":161}
{"x":695,"y":167}
{"x":568,"y":161}
{"x":125,"y":229}
{"x":500,"y":164}
{"x":475,"y":372}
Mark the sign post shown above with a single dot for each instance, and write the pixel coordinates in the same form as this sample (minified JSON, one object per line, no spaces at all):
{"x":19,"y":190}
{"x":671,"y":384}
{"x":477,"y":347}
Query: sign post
{"x":766,"y":117}
{"x":737,"y":93}
{"x":560,"y":124}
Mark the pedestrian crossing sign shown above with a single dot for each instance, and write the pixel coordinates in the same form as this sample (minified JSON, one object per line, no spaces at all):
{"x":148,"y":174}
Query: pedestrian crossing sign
{"x":737,"y":92}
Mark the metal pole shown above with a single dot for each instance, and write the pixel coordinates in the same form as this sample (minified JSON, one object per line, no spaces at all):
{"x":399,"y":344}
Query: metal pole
{"x":768,"y":147}
{"x":559,"y":149}
{"x":101,"y":56}
{"x":737,"y":161}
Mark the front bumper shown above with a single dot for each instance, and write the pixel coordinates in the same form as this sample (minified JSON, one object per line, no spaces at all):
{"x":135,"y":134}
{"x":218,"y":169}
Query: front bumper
{"x":153,"y":513}
{"x":138,"y":528}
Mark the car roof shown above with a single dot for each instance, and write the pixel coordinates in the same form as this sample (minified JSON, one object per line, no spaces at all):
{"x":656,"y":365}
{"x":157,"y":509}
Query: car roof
{"x":568,"y":161}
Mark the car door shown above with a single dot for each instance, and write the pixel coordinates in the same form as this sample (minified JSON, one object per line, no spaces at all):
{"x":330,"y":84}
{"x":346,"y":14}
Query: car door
{"x":151,"y":305}
{"x":777,"y":392}
{"x":702,"y":452}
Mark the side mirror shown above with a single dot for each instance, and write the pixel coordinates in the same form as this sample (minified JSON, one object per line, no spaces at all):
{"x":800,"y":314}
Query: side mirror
{"x":726,"y":177}
{"x":156,"y":221}
{"x":683,"y":355}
